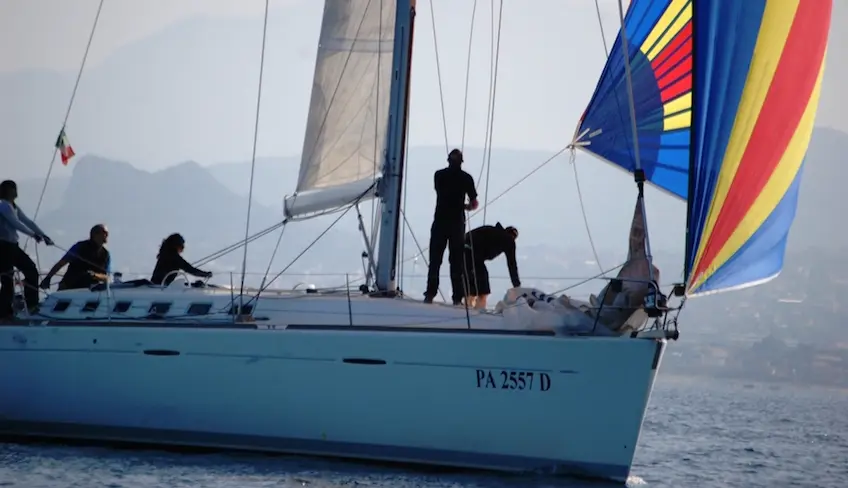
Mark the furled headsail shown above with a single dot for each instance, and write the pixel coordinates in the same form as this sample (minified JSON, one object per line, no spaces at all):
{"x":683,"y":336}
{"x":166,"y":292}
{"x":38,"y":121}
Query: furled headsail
{"x":726,"y":93}
{"x":348,"y":114}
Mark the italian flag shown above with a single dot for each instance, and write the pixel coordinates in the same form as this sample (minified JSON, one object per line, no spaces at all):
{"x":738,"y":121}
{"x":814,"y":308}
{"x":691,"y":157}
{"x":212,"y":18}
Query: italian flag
{"x":64,"y":147}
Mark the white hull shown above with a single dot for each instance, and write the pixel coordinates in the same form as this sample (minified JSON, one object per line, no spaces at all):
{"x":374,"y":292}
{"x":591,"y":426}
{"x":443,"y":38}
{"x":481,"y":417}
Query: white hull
{"x":400,"y":394}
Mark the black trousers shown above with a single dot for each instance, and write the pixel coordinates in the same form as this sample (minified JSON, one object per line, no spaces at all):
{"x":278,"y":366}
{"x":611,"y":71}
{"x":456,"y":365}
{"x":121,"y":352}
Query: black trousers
{"x":450,"y":235}
{"x":12,"y":256}
{"x":477,"y":275}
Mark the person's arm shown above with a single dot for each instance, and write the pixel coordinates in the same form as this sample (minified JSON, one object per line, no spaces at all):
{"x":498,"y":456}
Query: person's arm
{"x":108,"y":268}
{"x":185,"y":266}
{"x":45,"y":283}
{"x":29,"y":223}
{"x":7,"y":212}
{"x":64,"y":261}
{"x":512,"y":264}
{"x":471,"y":191}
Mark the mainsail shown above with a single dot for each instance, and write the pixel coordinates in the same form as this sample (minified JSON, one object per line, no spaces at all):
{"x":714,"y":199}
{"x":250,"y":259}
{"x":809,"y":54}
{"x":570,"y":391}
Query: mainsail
{"x":725,"y":96}
{"x":348,"y":114}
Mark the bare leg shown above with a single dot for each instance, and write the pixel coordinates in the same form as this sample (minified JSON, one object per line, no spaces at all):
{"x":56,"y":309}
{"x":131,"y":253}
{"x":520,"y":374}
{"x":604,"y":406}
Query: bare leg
{"x":470,"y":301}
{"x":481,"y":302}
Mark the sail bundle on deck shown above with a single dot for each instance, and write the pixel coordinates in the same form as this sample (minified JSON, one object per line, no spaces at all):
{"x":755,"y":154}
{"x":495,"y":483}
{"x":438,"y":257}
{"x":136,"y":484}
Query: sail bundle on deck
{"x":725,"y":94}
{"x":348,"y":114}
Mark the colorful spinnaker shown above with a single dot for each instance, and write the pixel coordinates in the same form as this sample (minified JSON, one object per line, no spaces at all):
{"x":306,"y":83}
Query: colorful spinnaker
{"x":725,"y":95}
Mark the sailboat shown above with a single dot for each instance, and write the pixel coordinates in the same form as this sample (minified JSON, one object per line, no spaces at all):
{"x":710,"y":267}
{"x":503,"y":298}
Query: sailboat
{"x":710,"y":100}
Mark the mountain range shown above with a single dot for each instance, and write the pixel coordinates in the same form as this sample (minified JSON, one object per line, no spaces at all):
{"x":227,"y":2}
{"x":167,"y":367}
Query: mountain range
{"x":208,"y":205}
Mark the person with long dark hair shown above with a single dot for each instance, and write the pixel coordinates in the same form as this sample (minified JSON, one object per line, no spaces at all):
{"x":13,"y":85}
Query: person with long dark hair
{"x":170,"y":260}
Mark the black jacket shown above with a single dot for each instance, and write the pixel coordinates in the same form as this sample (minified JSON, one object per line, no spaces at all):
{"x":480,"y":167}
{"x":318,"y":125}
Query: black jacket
{"x":84,"y":257}
{"x":166,"y":264}
{"x":452,"y":185}
{"x":487,"y":242}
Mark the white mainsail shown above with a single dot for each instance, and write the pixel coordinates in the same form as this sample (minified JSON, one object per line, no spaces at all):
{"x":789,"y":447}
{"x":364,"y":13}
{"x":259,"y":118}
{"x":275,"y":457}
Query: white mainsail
{"x":348,"y":113}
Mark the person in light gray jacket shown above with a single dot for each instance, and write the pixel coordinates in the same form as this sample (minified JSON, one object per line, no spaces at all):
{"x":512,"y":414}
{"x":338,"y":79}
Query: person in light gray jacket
{"x":12,"y":221}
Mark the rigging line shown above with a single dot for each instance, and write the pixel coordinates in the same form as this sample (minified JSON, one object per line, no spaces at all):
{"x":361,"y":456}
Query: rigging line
{"x":403,"y":210}
{"x":601,"y":24}
{"x":253,"y":156}
{"x":376,"y":153}
{"x":415,"y":240}
{"x":494,"y":55}
{"x":304,"y":251}
{"x":489,"y":102}
{"x":635,"y":129}
{"x":273,"y":255}
{"x":70,"y":106}
{"x":583,"y":211}
{"x":511,"y":187}
{"x":467,"y":75}
{"x":232,"y":247}
{"x":586,"y":280}
{"x":494,"y":99}
{"x":439,"y":75}
{"x":573,"y":158}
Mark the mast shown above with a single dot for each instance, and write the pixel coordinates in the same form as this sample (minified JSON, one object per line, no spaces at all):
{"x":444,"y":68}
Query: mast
{"x":392,"y":182}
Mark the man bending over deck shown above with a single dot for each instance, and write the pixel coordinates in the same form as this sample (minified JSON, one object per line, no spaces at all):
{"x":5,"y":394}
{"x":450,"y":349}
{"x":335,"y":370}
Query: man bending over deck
{"x":12,"y":221}
{"x":482,"y":244}
{"x":88,"y":261}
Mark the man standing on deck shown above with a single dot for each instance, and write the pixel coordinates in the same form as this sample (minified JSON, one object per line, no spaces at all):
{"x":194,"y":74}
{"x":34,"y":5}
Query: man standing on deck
{"x":12,"y":221}
{"x":448,"y":230}
{"x":482,"y":244}
{"x":88,"y":262}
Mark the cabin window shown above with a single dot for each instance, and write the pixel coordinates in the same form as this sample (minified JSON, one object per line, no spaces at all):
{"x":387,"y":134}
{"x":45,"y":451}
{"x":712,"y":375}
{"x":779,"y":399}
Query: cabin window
{"x":160,"y":308}
{"x":90,"y":306}
{"x":234,"y":310}
{"x":199,"y":308}
{"x":122,"y":307}
{"x":61,"y":305}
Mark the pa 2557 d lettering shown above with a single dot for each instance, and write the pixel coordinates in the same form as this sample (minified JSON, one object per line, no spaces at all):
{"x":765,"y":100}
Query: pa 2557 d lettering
{"x":513,"y":380}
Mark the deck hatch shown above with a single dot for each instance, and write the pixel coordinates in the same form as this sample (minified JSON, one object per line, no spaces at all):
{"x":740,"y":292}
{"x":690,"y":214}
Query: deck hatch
{"x":159,"y":308}
{"x":199,"y":308}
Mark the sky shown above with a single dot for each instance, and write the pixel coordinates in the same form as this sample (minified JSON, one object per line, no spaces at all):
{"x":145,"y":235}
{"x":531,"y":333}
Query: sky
{"x":29,"y":39}
{"x":551,"y":56}
{"x":544,"y":51}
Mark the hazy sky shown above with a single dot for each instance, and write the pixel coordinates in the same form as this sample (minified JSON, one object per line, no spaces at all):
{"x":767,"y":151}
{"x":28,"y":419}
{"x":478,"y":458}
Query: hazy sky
{"x":544,"y":81}
{"x":551,"y":57}
{"x":52,"y":34}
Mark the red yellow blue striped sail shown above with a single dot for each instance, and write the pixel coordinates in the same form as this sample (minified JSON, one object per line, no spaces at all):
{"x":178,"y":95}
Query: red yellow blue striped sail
{"x":659,"y":38}
{"x":754,"y":75}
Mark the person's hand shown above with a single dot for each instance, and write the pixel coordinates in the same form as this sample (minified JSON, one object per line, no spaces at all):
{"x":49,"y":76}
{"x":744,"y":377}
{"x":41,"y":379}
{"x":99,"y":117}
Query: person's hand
{"x":472,"y":205}
{"x":97,"y":276}
{"x":47,"y":240}
{"x":37,"y":238}
{"x":45,"y":284}
{"x":207,"y":274}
